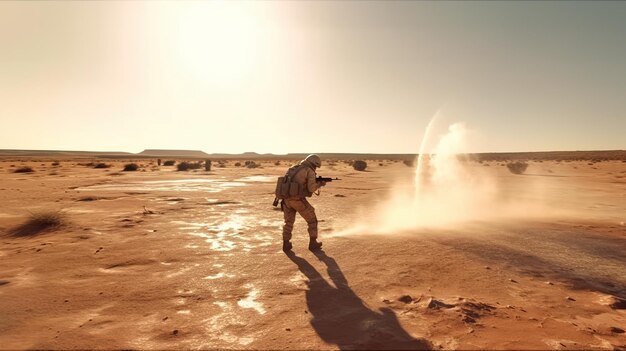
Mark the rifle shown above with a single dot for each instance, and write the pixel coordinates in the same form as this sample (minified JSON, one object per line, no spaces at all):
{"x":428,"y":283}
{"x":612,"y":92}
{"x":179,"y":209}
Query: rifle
{"x":317,"y":179}
{"x":327,"y":180}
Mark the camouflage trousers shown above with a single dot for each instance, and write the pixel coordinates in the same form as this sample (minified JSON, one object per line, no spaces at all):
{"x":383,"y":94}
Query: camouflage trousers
{"x":292,"y":206}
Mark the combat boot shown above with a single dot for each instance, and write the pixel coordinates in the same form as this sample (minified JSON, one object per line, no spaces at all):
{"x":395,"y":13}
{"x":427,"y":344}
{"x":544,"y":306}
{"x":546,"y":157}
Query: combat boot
{"x":314,"y":245}
{"x":287,"y":245}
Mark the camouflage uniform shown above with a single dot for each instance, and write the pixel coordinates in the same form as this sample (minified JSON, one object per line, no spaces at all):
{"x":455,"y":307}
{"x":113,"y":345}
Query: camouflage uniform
{"x":304,"y":175}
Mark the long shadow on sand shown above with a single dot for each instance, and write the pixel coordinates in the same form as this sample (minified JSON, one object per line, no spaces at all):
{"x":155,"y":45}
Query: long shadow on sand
{"x":582,"y":261}
{"x":340,"y":317}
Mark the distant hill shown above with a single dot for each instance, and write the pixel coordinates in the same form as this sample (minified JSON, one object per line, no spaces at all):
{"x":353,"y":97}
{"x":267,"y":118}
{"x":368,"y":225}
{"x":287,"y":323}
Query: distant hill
{"x":10,"y":152}
{"x":190,"y":154}
{"x":173,"y":153}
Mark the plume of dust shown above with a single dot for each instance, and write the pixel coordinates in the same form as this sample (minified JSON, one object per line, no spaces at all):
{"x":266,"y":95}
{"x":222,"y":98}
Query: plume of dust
{"x":446,"y":191}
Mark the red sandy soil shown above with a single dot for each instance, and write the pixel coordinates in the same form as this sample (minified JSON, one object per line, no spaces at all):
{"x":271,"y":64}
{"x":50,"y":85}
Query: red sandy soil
{"x":159,"y":259}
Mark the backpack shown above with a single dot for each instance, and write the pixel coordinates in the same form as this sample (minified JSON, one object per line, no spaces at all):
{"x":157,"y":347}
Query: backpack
{"x":287,"y":188}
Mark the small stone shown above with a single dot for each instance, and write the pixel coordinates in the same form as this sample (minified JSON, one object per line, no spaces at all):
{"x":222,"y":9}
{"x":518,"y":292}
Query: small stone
{"x":468,"y":319}
{"x":513,"y":280}
{"x":550,"y":283}
{"x":405,"y":299}
{"x":487,"y":267}
{"x":617,"y":303}
{"x":165,"y":318}
{"x":67,"y":300}
{"x":4,"y":282}
{"x":175,"y":332}
{"x":570,"y":298}
{"x":617,"y":330}
{"x":288,"y":329}
{"x":305,"y":311}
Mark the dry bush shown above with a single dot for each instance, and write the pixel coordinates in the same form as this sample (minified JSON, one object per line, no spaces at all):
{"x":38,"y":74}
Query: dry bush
{"x":238,"y":164}
{"x":359,"y":165}
{"x":169,"y":163}
{"x":39,"y":222}
{"x":277,"y":163}
{"x":24,"y":169}
{"x":410,"y":163}
{"x":185,"y":166}
{"x":101,"y":165}
{"x":517,"y":167}
{"x":252,"y":164}
{"x":130,"y":167}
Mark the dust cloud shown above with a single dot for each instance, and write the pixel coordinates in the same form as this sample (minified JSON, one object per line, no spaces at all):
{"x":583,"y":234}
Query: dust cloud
{"x":450,"y":188}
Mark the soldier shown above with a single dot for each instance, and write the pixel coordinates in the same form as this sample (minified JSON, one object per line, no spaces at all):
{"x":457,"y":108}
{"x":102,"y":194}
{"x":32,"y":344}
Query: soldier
{"x":304,"y":175}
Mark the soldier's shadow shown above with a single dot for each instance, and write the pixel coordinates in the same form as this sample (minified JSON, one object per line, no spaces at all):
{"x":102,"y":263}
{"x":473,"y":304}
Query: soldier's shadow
{"x":340,"y":317}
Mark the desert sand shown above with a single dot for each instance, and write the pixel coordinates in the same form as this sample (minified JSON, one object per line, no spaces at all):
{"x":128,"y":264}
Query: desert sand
{"x":160,"y":259}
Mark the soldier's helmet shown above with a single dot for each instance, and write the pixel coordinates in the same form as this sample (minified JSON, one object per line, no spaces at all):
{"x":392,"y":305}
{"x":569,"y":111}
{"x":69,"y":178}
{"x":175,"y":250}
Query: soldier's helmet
{"x":315,"y":160}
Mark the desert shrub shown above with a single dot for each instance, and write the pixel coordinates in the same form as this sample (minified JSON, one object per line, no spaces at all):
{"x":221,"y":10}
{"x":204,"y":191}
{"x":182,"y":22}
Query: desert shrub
{"x":238,"y":164}
{"x":277,"y":163}
{"x":517,"y":167}
{"x":185,"y":166}
{"x":410,"y":163}
{"x":39,"y":222}
{"x":359,"y":165}
{"x":101,"y":165}
{"x":251,"y":164}
{"x":24,"y":169}
{"x":130,"y":167}
{"x":169,"y":163}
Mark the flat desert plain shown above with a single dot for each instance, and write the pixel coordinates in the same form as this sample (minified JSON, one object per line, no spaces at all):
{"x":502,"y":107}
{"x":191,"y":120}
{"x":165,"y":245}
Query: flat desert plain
{"x":161,"y":259}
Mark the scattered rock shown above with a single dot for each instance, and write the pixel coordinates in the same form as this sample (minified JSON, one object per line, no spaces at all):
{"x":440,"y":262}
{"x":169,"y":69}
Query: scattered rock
{"x":617,"y":330}
{"x":569,"y":298}
{"x":487,"y":267}
{"x":288,"y":329}
{"x":386,"y":301}
{"x":4,"y":282}
{"x":550,"y":283}
{"x":468,"y":319}
{"x":175,"y":332}
{"x":405,"y":299}
{"x":513,"y":280}
{"x":165,"y":318}
{"x":339,"y":195}
{"x":67,"y":300}
{"x":435,"y":304}
{"x":618,"y":303}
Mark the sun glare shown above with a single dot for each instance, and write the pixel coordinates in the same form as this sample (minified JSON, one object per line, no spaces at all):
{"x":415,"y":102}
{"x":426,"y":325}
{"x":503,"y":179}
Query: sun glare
{"x":216,"y":41}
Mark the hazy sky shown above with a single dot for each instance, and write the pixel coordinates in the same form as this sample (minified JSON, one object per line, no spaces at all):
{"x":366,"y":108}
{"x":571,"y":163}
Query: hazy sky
{"x":311,"y":76}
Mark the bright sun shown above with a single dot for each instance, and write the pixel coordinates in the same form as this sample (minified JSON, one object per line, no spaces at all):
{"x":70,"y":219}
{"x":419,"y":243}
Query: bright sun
{"x":217,"y":41}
